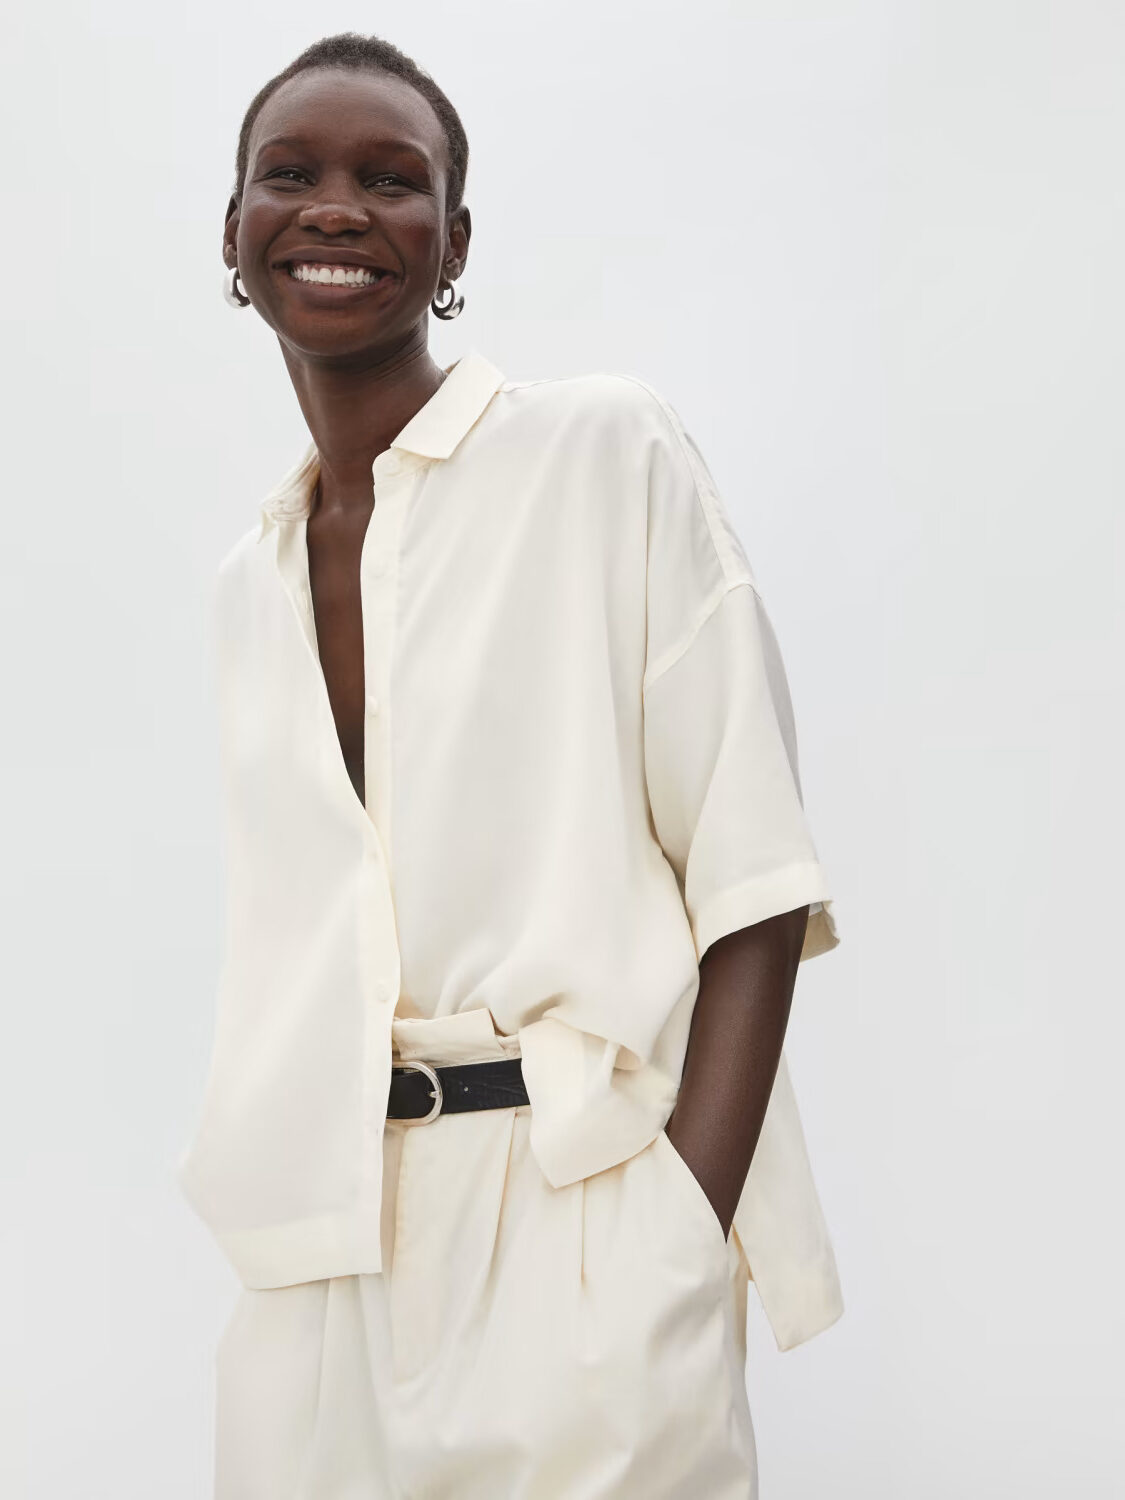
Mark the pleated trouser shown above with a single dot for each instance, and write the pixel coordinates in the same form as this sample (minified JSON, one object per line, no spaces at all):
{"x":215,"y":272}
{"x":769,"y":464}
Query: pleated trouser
{"x":523,"y":1342}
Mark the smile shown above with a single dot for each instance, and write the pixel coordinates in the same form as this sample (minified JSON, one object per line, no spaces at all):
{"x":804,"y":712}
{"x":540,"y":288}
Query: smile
{"x":335,"y":275}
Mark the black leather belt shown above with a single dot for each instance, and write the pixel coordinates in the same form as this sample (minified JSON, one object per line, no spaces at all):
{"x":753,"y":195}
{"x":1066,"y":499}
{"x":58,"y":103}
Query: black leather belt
{"x":421,"y":1092}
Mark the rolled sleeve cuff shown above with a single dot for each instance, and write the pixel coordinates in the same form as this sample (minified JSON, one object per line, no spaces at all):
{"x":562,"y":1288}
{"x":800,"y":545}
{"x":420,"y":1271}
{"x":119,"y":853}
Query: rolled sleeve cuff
{"x":763,"y":896}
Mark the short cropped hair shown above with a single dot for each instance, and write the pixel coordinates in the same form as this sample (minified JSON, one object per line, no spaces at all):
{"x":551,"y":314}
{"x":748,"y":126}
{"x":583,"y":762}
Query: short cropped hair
{"x":349,"y":49}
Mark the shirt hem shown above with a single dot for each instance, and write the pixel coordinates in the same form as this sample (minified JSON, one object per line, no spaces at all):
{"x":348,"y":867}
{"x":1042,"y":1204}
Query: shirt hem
{"x":820,"y":1305}
{"x":306,"y":1250}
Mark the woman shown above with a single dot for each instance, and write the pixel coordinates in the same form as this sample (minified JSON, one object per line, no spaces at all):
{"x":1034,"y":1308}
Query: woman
{"x":518,"y":884}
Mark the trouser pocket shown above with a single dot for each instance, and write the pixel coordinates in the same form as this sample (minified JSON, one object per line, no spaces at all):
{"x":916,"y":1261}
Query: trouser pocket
{"x":695,"y":1201}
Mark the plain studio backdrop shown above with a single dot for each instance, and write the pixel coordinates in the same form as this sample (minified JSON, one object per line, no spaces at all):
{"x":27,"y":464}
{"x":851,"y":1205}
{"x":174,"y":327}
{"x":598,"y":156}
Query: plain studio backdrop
{"x":872,"y":254}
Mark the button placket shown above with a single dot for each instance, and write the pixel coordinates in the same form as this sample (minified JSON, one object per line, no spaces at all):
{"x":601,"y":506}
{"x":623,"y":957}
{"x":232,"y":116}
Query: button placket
{"x":394,"y":488}
{"x":378,"y":577}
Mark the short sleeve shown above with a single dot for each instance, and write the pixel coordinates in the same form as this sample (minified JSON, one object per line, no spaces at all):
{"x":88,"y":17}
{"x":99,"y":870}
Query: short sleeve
{"x":719,"y":737}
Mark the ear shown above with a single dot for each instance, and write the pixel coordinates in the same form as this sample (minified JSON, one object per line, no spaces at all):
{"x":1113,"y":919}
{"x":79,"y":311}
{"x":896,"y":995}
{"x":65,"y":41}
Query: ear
{"x":458,"y":232}
{"x":230,"y":232}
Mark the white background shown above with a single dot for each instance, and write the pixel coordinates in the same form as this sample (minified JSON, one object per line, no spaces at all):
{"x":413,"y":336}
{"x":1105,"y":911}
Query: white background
{"x":872,"y":253}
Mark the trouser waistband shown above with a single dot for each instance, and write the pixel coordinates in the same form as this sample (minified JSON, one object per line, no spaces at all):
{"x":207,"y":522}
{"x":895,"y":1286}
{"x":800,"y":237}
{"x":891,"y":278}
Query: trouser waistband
{"x":468,"y":1036}
{"x":452,"y":1064}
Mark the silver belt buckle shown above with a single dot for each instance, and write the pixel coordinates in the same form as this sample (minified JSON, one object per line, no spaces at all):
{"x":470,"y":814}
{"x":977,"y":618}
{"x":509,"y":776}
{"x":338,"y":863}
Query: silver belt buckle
{"x":435,"y":1093}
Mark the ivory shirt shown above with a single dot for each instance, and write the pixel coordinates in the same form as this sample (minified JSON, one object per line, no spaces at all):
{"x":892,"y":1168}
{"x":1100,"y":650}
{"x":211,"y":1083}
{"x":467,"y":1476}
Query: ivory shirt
{"x":580,"y":771}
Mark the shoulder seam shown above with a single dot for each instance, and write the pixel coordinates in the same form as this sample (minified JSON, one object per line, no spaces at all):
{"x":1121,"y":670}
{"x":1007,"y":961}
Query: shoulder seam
{"x":672,"y":655}
{"x":733,"y":571}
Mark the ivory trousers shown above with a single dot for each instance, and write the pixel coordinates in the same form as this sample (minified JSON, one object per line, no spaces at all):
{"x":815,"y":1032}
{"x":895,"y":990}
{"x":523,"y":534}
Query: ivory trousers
{"x":523,"y":1342}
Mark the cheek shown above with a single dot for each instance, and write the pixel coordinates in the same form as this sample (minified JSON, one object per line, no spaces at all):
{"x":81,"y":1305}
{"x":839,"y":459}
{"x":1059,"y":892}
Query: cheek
{"x":418,"y":229}
{"x":258,"y":224}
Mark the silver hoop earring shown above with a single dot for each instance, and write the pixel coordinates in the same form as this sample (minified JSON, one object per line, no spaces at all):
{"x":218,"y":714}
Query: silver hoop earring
{"x":232,"y":290}
{"x":449,"y":309}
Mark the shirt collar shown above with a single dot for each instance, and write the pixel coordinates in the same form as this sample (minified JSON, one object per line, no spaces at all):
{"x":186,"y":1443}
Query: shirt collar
{"x":433,"y":432}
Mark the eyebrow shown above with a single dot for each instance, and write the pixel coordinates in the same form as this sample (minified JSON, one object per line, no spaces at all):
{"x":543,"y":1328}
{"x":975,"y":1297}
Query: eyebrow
{"x":299,"y":142}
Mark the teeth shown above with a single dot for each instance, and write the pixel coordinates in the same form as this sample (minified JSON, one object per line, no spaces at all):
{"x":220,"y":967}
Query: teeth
{"x":333,"y":275}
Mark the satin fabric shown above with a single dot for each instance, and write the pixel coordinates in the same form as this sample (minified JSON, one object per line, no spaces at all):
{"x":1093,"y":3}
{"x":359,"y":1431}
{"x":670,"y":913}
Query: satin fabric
{"x":580,"y":770}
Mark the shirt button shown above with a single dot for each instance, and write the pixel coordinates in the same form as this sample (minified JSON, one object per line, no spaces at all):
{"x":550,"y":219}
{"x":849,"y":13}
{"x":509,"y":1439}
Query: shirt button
{"x":372,"y":703}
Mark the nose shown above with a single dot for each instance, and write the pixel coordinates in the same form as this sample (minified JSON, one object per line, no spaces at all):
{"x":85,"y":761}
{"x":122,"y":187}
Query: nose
{"x":332,"y":218}
{"x":336,"y":209}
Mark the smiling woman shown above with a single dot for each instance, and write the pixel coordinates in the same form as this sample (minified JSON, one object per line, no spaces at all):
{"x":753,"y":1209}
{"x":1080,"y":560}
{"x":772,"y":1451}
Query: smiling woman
{"x":497,"y":1125}
{"x":354,"y":130}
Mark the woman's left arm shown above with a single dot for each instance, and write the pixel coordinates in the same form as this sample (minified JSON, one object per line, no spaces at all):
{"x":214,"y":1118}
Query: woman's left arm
{"x":746,"y":982}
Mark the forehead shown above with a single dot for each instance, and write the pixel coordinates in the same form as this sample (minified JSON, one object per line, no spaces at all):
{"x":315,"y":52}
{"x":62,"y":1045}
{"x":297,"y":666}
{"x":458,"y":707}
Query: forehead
{"x":343,"y":110}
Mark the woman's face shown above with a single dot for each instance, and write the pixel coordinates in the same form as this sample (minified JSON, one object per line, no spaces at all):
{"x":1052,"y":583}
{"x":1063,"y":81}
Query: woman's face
{"x":350,"y":168}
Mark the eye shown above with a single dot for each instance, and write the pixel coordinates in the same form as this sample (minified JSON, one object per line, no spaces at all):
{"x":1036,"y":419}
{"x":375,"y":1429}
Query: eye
{"x":294,"y":173}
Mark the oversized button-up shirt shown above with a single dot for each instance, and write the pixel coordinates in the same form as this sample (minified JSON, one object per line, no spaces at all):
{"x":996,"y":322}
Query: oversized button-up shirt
{"x":580,"y":770}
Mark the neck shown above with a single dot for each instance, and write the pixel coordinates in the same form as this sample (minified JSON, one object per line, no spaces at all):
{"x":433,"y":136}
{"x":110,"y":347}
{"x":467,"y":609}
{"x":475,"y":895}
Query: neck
{"x":355,"y":413}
